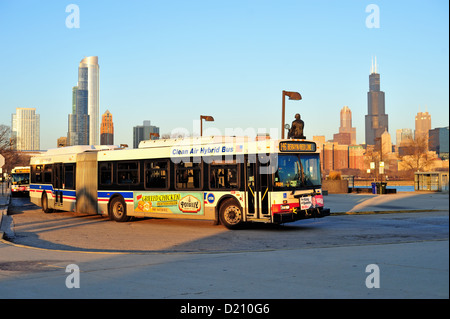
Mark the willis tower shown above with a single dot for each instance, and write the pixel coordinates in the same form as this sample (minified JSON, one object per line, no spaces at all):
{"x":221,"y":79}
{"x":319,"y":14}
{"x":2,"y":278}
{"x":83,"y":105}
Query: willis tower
{"x":376,"y":119}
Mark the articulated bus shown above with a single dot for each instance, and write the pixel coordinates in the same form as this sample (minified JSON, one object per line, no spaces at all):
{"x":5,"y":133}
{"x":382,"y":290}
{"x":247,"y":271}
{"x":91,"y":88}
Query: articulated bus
{"x":20,"y":180}
{"x":228,"y":180}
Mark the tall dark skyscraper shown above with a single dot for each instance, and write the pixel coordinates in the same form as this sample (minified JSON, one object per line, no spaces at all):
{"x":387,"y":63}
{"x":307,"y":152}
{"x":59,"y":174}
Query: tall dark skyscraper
{"x":376,"y":119}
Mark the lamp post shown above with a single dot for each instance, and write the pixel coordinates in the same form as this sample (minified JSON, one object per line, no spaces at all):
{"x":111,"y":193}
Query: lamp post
{"x":207,"y":118}
{"x":292,"y":96}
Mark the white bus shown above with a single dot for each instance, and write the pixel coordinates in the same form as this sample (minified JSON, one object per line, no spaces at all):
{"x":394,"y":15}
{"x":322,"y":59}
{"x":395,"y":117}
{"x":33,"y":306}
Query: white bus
{"x":20,"y":180}
{"x":225,"y":179}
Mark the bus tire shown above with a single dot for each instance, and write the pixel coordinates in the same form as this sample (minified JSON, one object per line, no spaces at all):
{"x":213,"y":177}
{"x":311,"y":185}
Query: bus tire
{"x":230,"y":214}
{"x":44,"y":204}
{"x":118,"y":210}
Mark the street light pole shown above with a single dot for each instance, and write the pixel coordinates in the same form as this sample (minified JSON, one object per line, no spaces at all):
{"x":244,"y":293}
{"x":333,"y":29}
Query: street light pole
{"x":292,"y":96}
{"x":282,"y":116}
{"x":207,"y":118}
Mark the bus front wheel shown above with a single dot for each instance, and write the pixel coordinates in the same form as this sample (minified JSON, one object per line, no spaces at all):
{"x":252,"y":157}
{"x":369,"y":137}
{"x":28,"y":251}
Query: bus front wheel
{"x":230,"y":214}
{"x":118,"y":210}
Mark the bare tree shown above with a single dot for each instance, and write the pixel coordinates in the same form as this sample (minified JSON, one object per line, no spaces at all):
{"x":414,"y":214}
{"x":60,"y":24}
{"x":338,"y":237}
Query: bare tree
{"x":416,"y":156}
{"x":12,"y":157}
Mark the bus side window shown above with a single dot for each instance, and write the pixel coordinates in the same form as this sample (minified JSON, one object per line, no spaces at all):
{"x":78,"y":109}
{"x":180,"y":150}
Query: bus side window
{"x":36,"y":174}
{"x":47,"y":174}
{"x":69,"y":176}
{"x":106,"y":173}
{"x":128,"y":173}
{"x":156,"y":174}
{"x":188,"y":175}
{"x":224,"y":176}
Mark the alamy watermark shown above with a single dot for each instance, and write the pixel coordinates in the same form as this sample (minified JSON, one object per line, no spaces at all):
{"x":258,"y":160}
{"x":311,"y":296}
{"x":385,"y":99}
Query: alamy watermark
{"x":73,"y":279}
{"x":373,"y":19}
{"x":373,"y":279}
{"x":73,"y":19}
{"x":231,"y":146}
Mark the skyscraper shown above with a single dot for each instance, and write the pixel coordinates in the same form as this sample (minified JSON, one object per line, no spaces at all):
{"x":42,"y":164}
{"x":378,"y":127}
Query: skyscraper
{"x":25,"y":130}
{"x":72,"y":137}
{"x":107,"y":129}
{"x":423,"y":124}
{"x":144,"y":132}
{"x":84,"y":120}
{"x":89,"y":76}
{"x":402,"y":135}
{"x":438,"y":142}
{"x":386,"y":143}
{"x":376,"y":119}
{"x":347,"y":133}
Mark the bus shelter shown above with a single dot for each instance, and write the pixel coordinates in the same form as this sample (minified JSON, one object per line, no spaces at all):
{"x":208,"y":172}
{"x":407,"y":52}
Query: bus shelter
{"x":431,"y":181}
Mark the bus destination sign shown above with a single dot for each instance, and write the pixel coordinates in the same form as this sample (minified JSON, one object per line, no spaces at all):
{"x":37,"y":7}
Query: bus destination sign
{"x":297,"y":146}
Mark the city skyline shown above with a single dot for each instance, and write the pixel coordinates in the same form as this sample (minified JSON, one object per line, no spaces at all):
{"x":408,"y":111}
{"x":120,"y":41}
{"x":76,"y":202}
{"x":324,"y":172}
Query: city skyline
{"x":228,"y":60}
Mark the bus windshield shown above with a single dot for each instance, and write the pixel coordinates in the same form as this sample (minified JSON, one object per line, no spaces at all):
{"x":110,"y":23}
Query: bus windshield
{"x":295,"y":171}
{"x":20,"y":178}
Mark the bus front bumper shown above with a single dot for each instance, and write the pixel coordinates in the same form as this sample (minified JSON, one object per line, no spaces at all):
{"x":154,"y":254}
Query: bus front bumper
{"x":305,"y":214}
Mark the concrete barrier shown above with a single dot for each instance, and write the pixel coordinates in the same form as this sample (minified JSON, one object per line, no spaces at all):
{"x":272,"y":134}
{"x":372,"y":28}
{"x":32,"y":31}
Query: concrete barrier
{"x":335,"y":186}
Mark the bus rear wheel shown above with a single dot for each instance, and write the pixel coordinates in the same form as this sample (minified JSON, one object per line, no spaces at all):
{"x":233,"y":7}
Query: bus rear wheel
{"x":230,"y":214}
{"x":118,"y":210}
{"x":44,"y":204}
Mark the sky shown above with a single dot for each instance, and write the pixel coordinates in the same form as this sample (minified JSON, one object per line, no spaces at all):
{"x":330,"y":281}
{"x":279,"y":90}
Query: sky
{"x":171,"y":61}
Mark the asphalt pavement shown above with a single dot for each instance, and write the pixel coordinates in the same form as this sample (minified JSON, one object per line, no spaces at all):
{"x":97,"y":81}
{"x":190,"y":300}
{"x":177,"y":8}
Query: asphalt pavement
{"x":342,"y":203}
{"x":405,"y":268}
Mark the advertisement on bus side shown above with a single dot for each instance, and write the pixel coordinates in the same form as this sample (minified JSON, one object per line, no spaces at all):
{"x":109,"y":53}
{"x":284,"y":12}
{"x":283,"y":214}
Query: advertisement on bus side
{"x":169,"y":203}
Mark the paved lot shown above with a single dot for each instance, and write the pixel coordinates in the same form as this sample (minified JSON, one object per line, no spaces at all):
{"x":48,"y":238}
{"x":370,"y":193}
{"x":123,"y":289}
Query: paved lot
{"x":157,"y":258}
{"x":27,"y":225}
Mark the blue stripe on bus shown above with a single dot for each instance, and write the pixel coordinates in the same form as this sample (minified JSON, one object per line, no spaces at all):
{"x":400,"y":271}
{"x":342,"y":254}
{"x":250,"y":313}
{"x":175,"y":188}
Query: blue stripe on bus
{"x":102,"y":194}
{"x":51,"y":189}
{"x":69,"y":193}
{"x":110,"y":193}
{"x":46,"y":187}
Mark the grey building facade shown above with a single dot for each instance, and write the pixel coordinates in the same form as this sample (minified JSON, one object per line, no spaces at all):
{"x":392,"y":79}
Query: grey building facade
{"x":438,"y":141}
{"x":144,"y":132}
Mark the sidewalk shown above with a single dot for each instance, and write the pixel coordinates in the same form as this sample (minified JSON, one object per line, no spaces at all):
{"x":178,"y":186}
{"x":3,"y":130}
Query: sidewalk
{"x":402,"y":202}
{"x":5,"y":195}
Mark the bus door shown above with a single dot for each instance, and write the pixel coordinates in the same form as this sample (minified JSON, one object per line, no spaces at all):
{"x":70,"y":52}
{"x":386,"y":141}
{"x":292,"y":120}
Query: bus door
{"x":58,"y":183}
{"x":257,"y":191}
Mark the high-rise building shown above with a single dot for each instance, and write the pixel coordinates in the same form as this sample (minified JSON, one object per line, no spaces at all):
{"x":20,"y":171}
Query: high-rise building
{"x":84,"y":120}
{"x":439,"y":141}
{"x":403,"y":134}
{"x":347,"y":133}
{"x":144,"y":132}
{"x":386,"y":143}
{"x":90,"y":64}
{"x":376,"y":118}
{"x":107,"y":129}
{"x":72,"y":136}
{"x":25,"y":129}
{"x":423,"y":124}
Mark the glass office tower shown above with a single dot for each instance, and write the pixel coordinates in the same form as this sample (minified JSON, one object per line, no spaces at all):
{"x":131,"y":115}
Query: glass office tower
{"x":88,"y":101}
